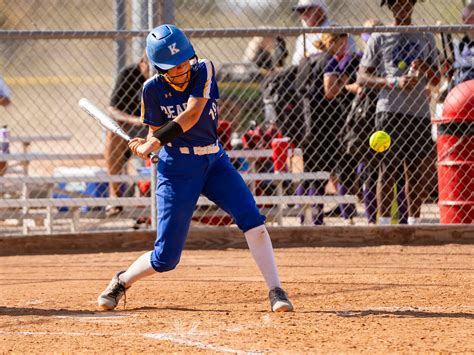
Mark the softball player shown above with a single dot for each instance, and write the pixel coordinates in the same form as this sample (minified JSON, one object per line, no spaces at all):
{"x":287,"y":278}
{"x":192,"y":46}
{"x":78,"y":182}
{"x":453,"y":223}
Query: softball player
{"x":179,"y":105}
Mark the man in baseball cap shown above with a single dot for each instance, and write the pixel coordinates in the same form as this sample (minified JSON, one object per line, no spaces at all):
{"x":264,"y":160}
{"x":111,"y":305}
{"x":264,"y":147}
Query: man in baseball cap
{"x":313,"y":13}
{"x":306,"y":4}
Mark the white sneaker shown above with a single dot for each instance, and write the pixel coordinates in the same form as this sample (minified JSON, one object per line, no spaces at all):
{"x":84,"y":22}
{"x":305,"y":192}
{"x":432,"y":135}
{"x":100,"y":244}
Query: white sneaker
{"x":279,"y":300}
{"x":111,"y":296}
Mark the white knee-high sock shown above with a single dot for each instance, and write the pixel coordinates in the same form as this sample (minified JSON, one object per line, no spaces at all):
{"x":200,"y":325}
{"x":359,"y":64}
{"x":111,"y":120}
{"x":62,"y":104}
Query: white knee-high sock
{"x":138,"y":270}
{"x":260,"y":246}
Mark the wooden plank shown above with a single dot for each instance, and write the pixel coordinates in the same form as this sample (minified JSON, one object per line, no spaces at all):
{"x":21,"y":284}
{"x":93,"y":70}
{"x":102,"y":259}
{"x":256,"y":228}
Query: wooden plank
{"x":18,"y":180}
{"x":75,"y":202}
{"x":49,"y":156}
{"x":146,"y":201}
{"x":320,"y":175}
{"x":90,"y":156}
{"x":250,"y":153}
{"x":286,"y":199}
{"x":230,"y":237}
{"x":135,"y":178}
{"x":41,"y":138}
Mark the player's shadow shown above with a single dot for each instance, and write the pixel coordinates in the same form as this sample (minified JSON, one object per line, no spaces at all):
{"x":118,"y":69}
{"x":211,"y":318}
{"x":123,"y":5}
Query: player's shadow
{"x":24,"y":311}
{"x":402,"y":313}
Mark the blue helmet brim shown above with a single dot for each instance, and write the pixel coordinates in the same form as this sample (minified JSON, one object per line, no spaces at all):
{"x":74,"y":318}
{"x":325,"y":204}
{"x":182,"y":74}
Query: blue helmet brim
{"x":177,"y":59}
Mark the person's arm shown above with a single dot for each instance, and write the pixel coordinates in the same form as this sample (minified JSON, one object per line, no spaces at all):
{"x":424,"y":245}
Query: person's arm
{"x":333,"y":85}
{"x":121,"y":116}
{"x":188,"y":118}
{"x":123,"y":93}
{"x":353,"y":88}
{"x":429,"y":67}
{"x":204,"y":88}
{"x":299,"y":50}
{"x":371,"y":61}
{"x":366,"y":77}
{"x":182,"y":123}
{"x":334,"y":79}
{"x":433,"y":76}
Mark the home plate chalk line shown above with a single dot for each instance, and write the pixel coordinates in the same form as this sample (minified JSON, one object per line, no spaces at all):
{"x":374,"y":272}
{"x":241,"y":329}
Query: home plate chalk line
{"x":181,"y":336}
{"x":171,"y":337}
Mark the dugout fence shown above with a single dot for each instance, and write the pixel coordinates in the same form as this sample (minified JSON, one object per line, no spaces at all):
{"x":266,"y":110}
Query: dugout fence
{"x":54,"y":54}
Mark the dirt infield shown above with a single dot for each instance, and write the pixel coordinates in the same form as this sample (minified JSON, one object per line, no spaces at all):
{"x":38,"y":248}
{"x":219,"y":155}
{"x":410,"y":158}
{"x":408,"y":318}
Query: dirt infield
{"x":370,"y":299}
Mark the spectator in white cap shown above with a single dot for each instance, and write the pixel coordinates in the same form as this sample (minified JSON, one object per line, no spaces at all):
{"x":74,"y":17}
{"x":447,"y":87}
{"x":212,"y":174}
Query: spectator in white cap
{"x":313,"y":13}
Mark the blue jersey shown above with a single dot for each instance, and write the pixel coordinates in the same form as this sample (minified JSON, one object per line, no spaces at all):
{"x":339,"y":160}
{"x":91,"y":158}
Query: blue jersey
{"x":161,"y":103}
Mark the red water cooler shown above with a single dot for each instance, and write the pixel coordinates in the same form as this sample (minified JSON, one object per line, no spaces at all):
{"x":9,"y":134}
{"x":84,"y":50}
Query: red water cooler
{"x":455,"y":147}
{"x":280,"y":148}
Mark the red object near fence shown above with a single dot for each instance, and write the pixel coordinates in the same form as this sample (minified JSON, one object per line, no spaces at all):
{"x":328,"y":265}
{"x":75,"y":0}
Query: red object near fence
{"x":280,"y":148}
{"x":455,"y":147}
{"x":224,"y":132}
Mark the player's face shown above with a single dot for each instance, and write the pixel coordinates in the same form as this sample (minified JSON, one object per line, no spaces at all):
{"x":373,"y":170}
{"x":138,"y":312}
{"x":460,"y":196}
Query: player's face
{"x":339,"y":47}
{"x":179,"y":75}
{"x":313,"y":16}
{"x":402,"y":11}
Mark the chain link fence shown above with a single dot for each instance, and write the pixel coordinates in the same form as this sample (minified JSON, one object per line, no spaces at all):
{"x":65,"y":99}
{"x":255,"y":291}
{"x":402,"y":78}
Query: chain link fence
{"x":295,"y":116}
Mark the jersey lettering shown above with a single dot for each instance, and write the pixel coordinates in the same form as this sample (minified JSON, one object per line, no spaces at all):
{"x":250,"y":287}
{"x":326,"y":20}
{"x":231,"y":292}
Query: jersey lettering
{"x":173,"y":111}
{"x":213,"y":111}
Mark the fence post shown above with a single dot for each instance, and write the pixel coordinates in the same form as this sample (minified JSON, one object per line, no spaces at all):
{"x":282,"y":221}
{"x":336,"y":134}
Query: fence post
{"x":120,"y":24}
{"x":139,"y":22}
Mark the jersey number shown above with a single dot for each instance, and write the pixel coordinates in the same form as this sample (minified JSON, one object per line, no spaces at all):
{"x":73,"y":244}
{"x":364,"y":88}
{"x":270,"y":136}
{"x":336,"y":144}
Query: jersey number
{"x":213,"y":111}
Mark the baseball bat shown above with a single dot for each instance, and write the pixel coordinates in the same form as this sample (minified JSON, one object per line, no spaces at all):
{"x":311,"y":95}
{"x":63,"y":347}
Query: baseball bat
{"x":108,"y":123}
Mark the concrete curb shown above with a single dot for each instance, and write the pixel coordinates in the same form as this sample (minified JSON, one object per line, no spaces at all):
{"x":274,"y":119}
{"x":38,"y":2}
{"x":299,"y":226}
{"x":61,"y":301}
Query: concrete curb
{"x":230,"y":237}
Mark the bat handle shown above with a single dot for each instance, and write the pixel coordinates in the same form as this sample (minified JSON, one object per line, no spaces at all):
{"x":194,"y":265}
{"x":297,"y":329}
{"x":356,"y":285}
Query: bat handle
{"x":154,"y":158}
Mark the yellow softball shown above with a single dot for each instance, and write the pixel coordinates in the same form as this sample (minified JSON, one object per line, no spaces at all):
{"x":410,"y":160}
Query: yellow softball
{"x":380,"y":141}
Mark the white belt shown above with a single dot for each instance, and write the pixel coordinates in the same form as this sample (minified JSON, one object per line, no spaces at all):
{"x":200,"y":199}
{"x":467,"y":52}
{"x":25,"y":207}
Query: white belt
{"x":208,"y":149}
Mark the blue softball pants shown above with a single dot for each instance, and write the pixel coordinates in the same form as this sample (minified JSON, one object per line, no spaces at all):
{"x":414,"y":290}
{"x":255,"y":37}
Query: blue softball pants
{"x":181,"y":179}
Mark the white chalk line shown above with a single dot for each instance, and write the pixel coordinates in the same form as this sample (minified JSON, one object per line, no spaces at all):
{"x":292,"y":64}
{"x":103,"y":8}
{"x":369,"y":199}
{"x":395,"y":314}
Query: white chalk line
{"x":178,"y":339}
{"x":171,"y":337}
{"x":182,"y":335}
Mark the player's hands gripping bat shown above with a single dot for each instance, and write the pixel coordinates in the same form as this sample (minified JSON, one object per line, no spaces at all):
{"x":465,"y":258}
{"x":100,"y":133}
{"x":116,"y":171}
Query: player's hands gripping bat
{"x":108,"y":123}
{"x":143,"y":147}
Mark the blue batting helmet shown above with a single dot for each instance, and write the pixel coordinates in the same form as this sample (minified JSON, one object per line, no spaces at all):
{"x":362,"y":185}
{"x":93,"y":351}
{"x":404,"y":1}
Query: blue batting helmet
{"x":167,"y":46}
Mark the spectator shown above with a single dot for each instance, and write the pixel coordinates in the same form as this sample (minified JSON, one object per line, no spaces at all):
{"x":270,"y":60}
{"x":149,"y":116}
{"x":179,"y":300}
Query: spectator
{"x":322,"y":122}
{"x":313,"y":13}
{"x":360,"y":120}
{"x":464,"y":50}
{"x":266,"y":52}
{"x":5,"y":100}
{"x":125,"y":107}
{"x":403,"y":106}
{"x":340,"y":88}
